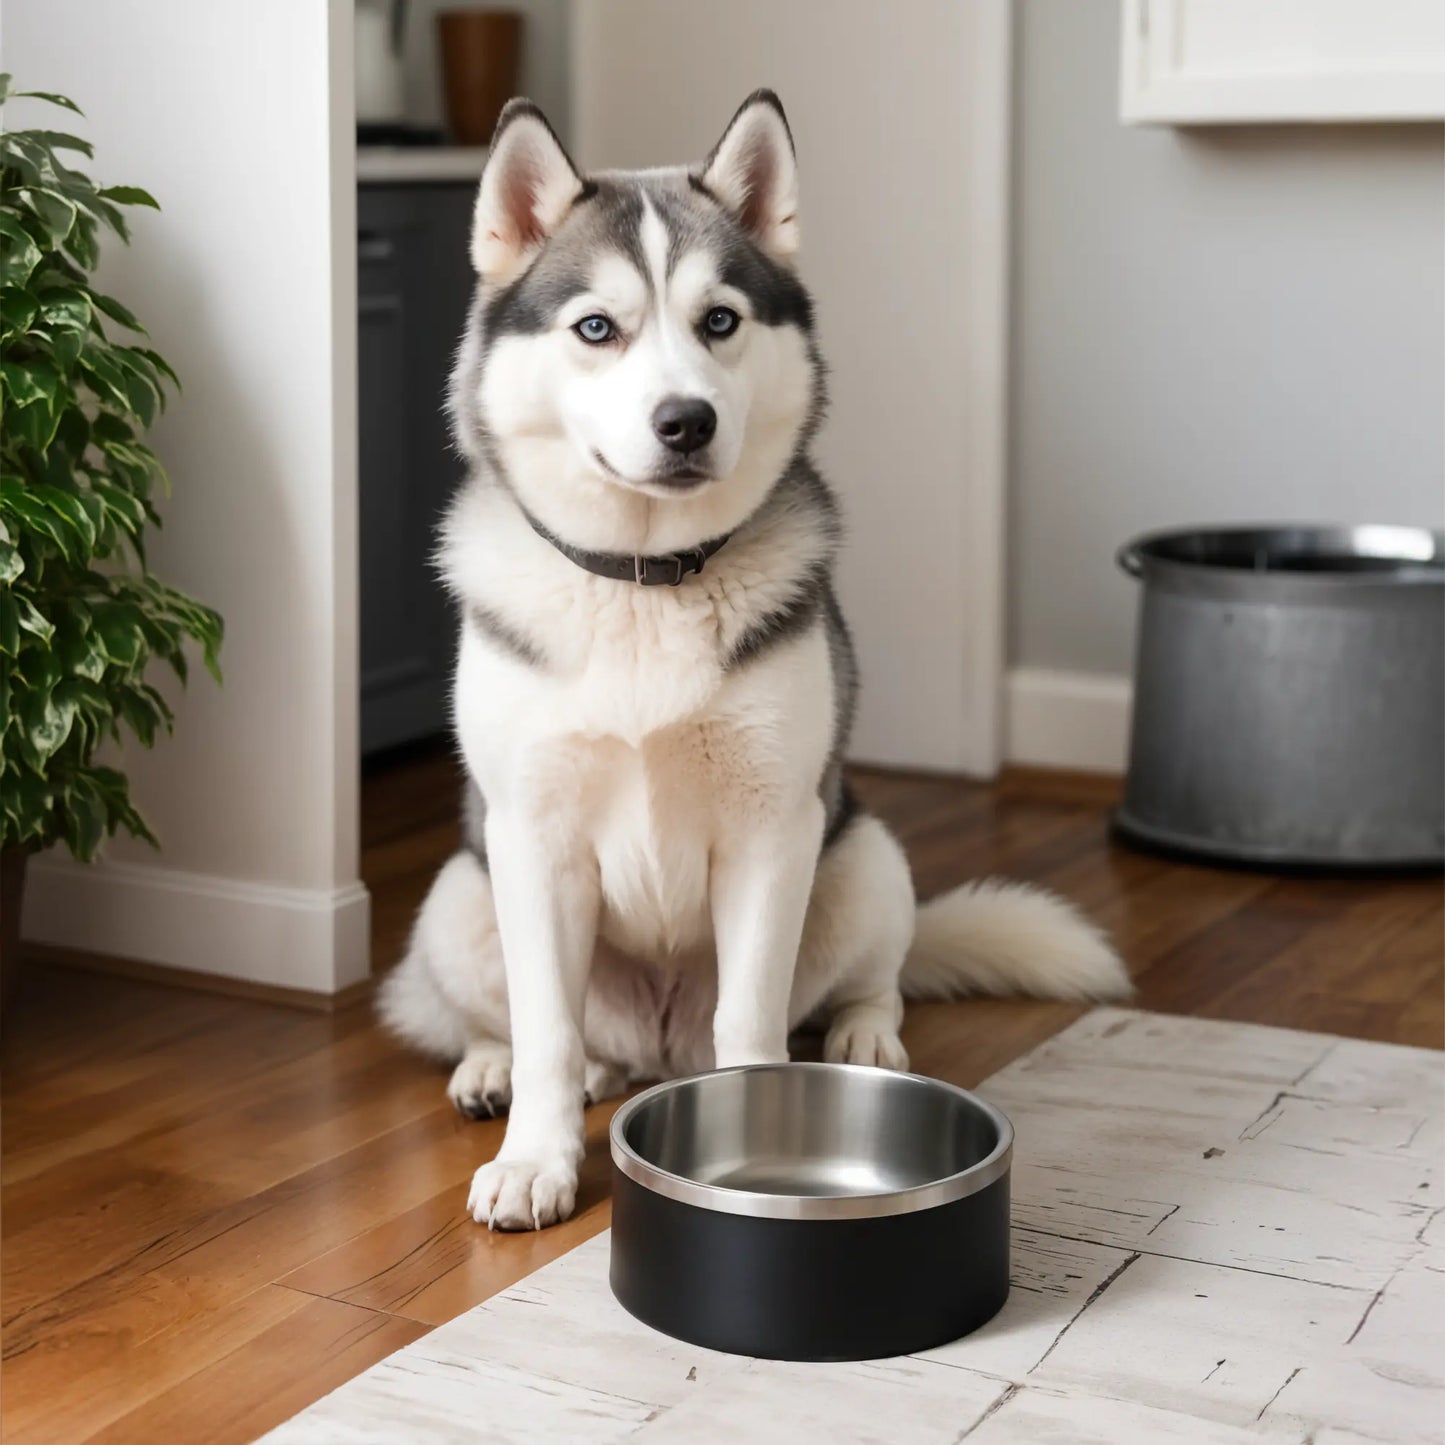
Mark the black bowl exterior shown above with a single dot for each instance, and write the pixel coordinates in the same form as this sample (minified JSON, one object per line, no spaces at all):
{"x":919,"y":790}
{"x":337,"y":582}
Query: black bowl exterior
{"x":817,"y":1289}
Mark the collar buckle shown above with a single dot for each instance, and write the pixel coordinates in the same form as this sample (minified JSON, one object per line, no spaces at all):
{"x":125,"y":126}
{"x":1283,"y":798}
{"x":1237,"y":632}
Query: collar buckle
{"x":669,"y":569}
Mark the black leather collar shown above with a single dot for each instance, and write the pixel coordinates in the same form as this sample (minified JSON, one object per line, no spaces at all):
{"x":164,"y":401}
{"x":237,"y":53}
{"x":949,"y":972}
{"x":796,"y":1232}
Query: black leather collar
{"x":667,"y":570}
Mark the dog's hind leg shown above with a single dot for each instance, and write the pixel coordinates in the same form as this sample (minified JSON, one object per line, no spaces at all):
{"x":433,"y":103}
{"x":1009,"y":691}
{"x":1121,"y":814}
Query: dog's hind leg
{"x":448,"y":996}
{"x":859,"y":925}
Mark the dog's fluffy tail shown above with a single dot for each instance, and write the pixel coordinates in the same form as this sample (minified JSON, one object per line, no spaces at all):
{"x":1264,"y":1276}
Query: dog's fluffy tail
{"x":1009,"y":938}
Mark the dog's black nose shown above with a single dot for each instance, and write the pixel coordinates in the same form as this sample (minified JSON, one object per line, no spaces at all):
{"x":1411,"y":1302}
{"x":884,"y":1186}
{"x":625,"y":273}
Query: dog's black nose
{"x":684,"y":423}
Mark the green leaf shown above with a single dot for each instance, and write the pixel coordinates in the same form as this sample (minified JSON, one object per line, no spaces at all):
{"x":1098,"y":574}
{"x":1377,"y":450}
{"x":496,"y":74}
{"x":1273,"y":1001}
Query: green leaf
{"x":50,"y":96}
{"x":121,"y":634}
{"x":59,"y":140}
{"x":82,"y":243}
{"x":47,"y":718}
{"x":113,"y":217}
{"x":116,"y":792}
{"x":66,"y":306}
{"x":28,"y":163}
{"x":11,"y":563}
{"x":130,"y":196}
{"x":55,"y":210}
{"x":129,"y":510}
{"x":108,"y":427}
{"x":28,"y":805}
{"x":29,"y":381}
{"x":117,"y":312}
{"x":73,"y":433}
{"x":134,"y":467}
{"x":161,"y":365}
{"x":9,"y":624}
{"x":59,"y":515}
{"x":140,"y":715}
{"x":34,"y":425}
{"x":73,"y":510}
{"x":38,"y":669}
{"x":78,"y":653}
{"x":145,"y":397}
{"x":65,"y":348}
{"x":17,"y":309}
{"x":20,"y":254}
{"x":106,"y":377}
{"x":85,"y":819}
{"x":32,"y":620}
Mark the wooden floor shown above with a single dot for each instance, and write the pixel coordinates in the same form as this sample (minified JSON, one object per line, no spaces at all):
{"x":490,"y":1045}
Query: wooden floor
{"x":215,"y":1210}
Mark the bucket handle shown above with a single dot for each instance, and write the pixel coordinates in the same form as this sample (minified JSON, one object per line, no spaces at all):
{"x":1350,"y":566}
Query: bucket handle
{"x":1129,"y":560}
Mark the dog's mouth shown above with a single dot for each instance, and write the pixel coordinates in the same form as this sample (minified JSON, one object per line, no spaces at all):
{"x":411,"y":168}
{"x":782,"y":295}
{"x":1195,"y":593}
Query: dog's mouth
{"x":682,"y":476}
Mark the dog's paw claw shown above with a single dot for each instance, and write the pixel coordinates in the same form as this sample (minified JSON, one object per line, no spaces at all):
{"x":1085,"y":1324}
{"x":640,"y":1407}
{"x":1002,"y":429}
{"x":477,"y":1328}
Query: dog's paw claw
{"x":519,"y":1195}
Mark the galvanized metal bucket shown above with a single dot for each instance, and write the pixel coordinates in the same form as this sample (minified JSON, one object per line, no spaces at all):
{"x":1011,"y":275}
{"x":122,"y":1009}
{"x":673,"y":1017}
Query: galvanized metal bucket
{"x":1289,"y":696}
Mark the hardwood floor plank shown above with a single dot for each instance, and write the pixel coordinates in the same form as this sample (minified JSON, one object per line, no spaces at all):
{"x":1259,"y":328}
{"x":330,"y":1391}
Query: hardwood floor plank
{"x":432,"y":1262}
{"x":315,"y":1348}
{"x":966,"y":1042}
{"x":1363,"y":961}
{"x":54,"y":1394}
{"x":227,"y":1252}
{"x":1185,"y":978}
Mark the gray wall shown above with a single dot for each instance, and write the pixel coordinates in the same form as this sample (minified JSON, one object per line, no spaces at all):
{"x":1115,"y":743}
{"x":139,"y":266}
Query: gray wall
{"x":1209,"y":325}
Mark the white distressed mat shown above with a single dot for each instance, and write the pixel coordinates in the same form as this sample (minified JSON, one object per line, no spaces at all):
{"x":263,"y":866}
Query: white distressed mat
{"x":1221,"y":1233}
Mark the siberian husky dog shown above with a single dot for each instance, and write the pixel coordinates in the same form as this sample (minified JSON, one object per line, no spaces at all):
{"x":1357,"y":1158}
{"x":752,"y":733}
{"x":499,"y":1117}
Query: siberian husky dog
{"x":664,"y":869}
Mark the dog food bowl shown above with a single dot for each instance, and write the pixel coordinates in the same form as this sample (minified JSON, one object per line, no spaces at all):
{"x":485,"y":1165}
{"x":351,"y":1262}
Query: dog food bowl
{"x":811,"y":1211}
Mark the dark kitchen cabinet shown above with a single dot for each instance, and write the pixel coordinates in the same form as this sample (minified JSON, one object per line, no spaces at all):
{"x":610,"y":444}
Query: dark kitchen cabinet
{"x":414,"y":287}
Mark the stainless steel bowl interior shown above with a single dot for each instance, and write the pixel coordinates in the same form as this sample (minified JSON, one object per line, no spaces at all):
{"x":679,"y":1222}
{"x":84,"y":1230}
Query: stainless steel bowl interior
{"x":1409,"y":552}
{"x":811,"y":1140}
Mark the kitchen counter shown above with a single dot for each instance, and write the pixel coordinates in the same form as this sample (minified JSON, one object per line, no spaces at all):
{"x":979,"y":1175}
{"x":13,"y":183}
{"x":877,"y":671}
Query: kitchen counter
{"x":418,"y":165}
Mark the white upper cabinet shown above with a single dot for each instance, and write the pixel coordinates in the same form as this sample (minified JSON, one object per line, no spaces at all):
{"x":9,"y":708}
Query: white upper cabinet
{"x":1221,"y":62}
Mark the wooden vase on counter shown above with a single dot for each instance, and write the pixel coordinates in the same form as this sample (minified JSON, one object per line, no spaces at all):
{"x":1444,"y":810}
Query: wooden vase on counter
{"x":481,"y":52}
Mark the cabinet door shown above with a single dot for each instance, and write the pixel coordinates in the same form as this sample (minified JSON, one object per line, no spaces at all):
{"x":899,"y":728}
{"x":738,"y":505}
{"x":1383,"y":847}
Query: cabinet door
{"x":414,"y":287}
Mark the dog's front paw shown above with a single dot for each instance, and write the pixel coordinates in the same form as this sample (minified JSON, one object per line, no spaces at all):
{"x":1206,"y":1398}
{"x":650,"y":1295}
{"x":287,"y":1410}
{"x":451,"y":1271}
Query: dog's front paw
{"x":864,"y":1039}
{"x":522,"y":1195}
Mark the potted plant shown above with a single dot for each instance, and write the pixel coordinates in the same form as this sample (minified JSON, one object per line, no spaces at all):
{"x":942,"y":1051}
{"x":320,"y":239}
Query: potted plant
{"x":82,"y":618}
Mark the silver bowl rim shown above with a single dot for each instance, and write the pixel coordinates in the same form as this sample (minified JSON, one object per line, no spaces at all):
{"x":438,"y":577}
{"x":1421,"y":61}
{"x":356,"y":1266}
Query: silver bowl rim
{"x":759,"y":1205}
{"x":1358,"y":539}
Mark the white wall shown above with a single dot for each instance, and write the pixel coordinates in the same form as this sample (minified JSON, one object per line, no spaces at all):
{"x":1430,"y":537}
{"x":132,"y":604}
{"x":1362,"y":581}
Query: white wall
{"x":239,"y":119}
{"x":901,"y":123}
{"x":1228,"y":325}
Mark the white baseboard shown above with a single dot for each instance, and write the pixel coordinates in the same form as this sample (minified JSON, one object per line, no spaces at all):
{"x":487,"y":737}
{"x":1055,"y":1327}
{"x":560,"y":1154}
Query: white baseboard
{"x":1067,"y":720}
{"x":297,"y":938}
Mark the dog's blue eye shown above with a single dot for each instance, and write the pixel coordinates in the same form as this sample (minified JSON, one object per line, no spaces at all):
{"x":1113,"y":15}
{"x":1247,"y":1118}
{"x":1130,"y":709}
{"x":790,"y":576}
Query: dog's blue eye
{"x":721,"y":321}
{"x":595,"y":329}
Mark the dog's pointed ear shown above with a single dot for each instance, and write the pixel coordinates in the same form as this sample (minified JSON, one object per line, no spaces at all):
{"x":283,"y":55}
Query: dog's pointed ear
{"x":528,"y":186}
{"x":753,"y":173}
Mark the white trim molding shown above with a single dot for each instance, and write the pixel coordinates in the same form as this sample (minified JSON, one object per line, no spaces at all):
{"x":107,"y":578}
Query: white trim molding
{"x":1067,"y":720}
{"x":317,"y":940}
{"x":1224,"y":62}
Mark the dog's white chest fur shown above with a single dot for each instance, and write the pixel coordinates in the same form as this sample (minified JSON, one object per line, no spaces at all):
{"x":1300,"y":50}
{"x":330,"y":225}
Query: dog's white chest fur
{"x":635,"y":747}
{"x":652,"y":842}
